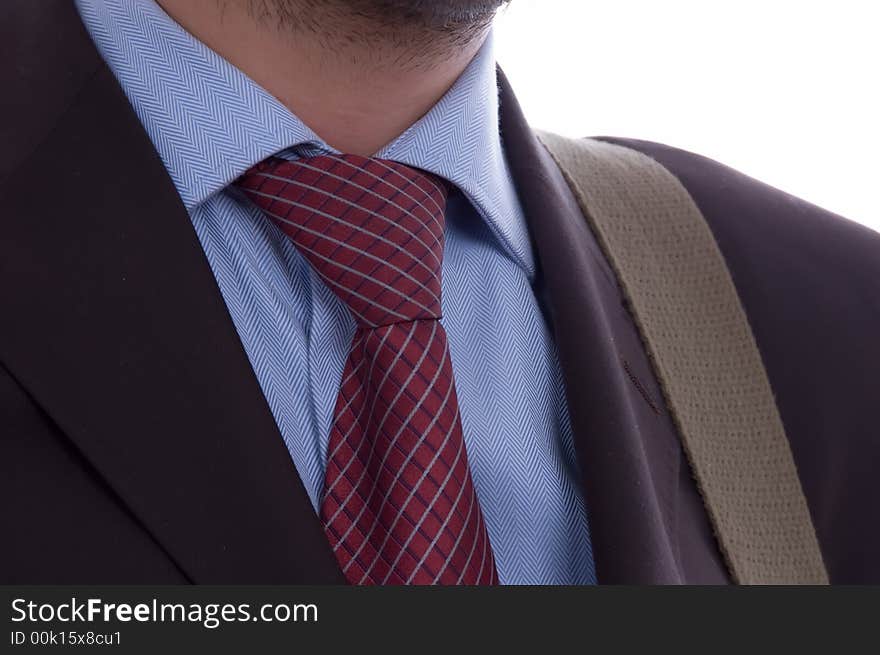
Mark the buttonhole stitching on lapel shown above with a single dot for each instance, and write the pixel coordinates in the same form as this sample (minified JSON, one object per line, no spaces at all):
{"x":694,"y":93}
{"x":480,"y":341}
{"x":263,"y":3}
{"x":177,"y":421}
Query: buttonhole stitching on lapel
{"x":641,"y":388}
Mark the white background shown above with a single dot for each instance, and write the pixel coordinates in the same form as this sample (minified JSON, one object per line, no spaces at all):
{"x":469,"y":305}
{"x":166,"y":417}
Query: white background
{"x":786,"y":91}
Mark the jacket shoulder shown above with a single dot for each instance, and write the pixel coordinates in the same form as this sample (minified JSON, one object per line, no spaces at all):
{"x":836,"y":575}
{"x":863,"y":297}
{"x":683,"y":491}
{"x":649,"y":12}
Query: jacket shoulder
{"x":741,"y":210}
{"x":809,"y":282}
{"x":47,"y":58}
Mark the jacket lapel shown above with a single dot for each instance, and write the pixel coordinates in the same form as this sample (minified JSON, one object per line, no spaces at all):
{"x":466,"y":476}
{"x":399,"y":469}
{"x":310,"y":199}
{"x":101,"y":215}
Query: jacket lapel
{"x":647,"y":523}
{"x":120,"y":334}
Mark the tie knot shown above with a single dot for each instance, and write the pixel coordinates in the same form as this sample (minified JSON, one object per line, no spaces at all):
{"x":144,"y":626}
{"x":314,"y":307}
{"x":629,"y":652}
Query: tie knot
{"x":371,"y":228}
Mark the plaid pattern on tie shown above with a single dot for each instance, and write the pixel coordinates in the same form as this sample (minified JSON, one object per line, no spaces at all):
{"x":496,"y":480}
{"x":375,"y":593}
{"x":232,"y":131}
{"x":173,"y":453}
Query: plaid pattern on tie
{"x":399,"y":505}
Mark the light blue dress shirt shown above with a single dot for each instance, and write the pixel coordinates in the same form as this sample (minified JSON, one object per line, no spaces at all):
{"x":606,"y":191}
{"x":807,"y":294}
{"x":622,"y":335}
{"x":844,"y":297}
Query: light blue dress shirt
{"x":209,"y":123}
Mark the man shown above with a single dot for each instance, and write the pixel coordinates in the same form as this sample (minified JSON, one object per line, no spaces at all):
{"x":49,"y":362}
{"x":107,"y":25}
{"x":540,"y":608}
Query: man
{"x":223,"y":354}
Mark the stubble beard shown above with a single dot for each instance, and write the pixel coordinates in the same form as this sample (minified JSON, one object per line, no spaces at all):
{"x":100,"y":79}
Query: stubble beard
{"x":416,"y":33}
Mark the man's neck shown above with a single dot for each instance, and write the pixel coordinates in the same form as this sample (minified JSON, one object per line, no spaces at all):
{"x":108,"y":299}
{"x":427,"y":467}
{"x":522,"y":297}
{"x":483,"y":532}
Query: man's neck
{"x":357,"y":94}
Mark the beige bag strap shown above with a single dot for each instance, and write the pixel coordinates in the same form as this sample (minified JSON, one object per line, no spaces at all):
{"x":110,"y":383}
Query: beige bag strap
{"x":704,"y":354}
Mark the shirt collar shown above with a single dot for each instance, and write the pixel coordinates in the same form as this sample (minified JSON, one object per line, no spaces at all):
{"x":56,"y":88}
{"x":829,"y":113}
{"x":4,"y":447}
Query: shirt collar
{"x":459,"y":139}
{"x":210,"y":122}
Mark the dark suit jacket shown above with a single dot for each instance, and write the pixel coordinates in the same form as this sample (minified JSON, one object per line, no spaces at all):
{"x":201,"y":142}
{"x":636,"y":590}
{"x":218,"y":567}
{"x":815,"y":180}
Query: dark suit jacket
{"x":136,"y":445}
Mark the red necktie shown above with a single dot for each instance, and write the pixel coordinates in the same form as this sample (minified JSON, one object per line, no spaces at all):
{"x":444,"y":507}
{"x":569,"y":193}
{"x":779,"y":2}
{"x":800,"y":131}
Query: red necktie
{"x":399,"y":505}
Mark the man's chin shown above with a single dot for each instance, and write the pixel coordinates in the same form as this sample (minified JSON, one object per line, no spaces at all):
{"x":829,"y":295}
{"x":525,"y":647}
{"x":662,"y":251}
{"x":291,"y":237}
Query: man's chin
{"x":426,"y":14}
